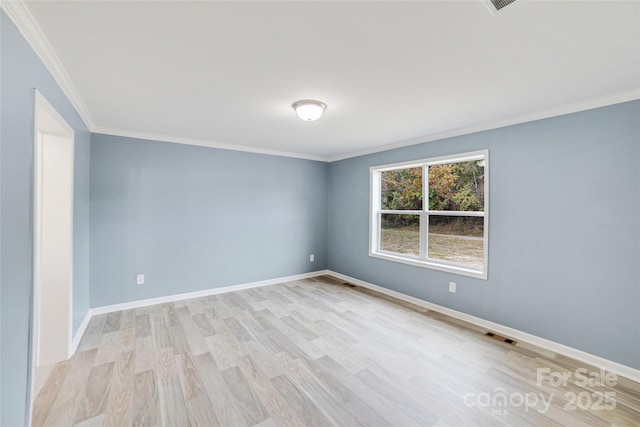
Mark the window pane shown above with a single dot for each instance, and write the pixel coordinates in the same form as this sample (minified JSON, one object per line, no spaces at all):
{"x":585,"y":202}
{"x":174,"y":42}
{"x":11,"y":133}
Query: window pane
{"x":400,"y":233}
{"x":402,"y":189}
{"x":457,"y":186}
{"x":457,"y":239}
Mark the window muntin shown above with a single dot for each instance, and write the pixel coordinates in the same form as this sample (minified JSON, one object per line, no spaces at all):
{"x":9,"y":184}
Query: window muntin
{"x":432,"y":213}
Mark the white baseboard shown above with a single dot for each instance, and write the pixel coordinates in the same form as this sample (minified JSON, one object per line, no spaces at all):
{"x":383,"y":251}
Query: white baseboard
{"x":178,"y":297}
{"x":198,"y":294}
{"x":80,"y":332}
{"x":591,"y":359}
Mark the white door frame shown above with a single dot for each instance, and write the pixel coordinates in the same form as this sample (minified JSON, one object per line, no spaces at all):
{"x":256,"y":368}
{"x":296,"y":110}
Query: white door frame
{"x":50,"y":126}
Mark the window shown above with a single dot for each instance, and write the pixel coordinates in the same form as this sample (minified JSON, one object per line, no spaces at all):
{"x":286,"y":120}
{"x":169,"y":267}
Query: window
{"x":433,"y":213}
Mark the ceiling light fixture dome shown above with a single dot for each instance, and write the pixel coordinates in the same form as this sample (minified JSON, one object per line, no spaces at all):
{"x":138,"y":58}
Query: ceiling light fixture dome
{"x":308,"y":109}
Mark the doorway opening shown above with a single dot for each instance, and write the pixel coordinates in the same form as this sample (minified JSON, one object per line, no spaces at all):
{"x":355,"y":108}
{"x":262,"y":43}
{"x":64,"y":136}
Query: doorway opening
{"x":52,"y":241}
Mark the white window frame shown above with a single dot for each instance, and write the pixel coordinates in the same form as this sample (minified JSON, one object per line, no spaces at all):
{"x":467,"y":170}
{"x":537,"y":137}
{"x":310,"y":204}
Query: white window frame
{"x":376,"y":211}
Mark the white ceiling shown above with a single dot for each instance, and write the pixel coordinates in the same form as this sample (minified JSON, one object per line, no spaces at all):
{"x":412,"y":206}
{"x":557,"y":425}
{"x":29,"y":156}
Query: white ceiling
{"x":389,"y":72}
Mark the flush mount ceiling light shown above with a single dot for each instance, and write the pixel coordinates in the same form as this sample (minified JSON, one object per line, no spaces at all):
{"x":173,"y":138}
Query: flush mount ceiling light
{"x":308,"y":109}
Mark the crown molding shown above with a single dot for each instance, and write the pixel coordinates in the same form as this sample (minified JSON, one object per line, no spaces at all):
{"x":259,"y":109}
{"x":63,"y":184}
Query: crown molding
{"x":202,"y":143}
{"x":616,"y":98}
{"x":19,"y":13}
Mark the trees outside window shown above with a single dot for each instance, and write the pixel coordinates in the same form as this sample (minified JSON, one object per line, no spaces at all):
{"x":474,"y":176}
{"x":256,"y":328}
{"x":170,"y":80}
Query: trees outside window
{"x":432,"y":213}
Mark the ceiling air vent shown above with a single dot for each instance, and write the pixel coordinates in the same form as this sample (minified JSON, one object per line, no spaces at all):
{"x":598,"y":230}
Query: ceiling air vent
{"x":499,"y":4}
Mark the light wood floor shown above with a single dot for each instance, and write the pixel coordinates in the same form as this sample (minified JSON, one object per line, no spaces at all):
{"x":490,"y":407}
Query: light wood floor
{"x":313,"y":352}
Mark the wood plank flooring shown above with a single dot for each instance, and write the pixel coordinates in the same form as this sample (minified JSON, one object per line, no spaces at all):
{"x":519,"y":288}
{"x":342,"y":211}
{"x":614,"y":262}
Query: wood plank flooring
{"x":317,"y":353}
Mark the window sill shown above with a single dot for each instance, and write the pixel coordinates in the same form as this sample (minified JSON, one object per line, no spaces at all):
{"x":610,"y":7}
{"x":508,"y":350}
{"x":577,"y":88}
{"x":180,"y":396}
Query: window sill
{"x":431,"y":265}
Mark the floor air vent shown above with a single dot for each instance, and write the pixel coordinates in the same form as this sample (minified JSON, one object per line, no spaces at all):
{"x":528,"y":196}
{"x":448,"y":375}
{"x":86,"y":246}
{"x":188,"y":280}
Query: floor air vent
{"x":501,"y":338}
{"x":499,"y":4}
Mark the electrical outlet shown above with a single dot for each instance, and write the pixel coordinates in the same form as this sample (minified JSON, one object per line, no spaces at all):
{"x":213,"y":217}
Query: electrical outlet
{"x":452,"y":287}
{"x":140,"y":279}
{"x":312,"y":258}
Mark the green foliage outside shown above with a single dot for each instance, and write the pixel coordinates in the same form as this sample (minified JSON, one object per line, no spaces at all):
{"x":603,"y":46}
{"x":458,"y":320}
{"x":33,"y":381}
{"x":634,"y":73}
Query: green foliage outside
{"x":452,"y":187}
{"x":457,"y":187}
{"x":402,"y":189}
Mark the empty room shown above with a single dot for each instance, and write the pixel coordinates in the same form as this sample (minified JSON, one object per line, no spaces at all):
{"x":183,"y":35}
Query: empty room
{"x":320,"y":213}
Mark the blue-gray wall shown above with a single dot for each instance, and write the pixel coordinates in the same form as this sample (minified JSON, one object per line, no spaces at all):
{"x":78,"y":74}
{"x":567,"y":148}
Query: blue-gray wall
{"x":193,"y":218}
{"x":564,"y":243}
{"x":564,"y":230}
{"x":20,"y":72}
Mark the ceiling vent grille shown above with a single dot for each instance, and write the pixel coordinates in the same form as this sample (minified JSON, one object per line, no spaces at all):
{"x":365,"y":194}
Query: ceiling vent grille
{"x":499,"y":4}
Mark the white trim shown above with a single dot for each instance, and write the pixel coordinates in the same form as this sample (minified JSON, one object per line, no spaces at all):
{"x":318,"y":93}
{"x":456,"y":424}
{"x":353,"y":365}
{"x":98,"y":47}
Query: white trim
{"x":424,"y":216}
{"x":487,"y":208}
{"x":466,"y":156}
{"x":429,"y":263}
{"x":477,"y":214}
{"x":423,"y":260}
{"x":430,"y":212}
{"x":61,"y":127}
{"x":597,"y":361}
{"x":591,"y":359}
{"x":46,"y":121}
{"x":201,"y":143}
{"x":616,"y":98}
{"x":19,"y":13}
{"x":197,"y":294}
{"x":400,"y":212}
{"x":77,"y":337}
{"x":589,"y":104}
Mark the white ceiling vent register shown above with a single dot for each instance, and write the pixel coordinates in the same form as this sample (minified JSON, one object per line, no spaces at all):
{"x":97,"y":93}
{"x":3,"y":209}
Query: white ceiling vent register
{"x":499,"y":4}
